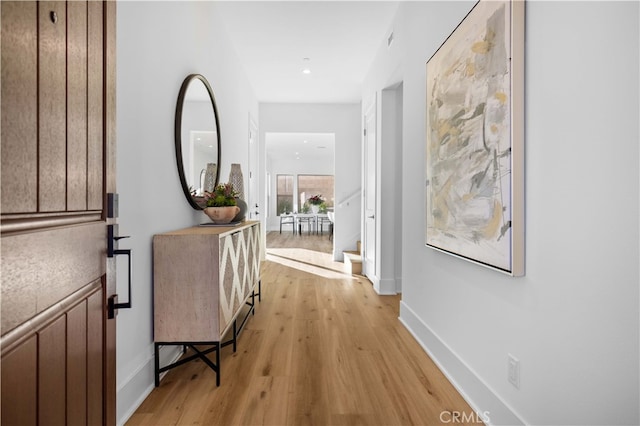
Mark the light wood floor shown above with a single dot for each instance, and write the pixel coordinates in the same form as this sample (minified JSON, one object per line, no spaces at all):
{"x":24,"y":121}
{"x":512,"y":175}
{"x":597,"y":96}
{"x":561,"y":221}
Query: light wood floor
{"x":323,"y":348}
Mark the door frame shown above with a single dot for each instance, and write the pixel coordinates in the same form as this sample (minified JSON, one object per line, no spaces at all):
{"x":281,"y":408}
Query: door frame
{"x":109,"y":369}
{"x":253,"y":198}
{"x":369,"y":218}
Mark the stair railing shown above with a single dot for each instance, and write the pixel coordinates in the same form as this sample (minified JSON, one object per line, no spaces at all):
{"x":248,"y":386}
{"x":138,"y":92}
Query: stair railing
{"x":351,"y":197}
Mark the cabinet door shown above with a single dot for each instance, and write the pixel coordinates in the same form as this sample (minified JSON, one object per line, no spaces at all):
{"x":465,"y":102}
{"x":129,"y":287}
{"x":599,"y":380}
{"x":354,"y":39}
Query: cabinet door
{"x":239,"y":270}
{"x":254,"y":254}
{"x":232,"y":266}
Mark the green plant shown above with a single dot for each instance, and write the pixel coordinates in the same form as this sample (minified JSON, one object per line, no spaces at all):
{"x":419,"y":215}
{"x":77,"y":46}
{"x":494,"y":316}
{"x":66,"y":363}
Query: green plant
{"x":284,"y":206}
{"x":223,"y":195}
{"x":316,"y":200}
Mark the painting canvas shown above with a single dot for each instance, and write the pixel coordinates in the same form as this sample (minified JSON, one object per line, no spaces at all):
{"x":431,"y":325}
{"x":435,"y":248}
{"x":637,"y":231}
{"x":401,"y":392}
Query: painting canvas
{"x":474,"y":152}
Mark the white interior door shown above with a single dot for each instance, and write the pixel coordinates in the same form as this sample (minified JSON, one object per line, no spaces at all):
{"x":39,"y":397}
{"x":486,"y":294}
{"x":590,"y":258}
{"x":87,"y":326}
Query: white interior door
{"x":369,"y":234}
{"x":253,"y":198}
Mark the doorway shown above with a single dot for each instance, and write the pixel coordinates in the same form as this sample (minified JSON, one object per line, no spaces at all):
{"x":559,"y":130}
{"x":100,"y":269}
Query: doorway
{"x":382,"y":174}
{"x":301,"y":166}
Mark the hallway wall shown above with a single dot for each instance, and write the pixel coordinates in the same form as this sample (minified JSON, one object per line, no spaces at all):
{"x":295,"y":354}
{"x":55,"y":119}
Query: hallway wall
{"x":158,"y":45}
{"x":573,"y":319}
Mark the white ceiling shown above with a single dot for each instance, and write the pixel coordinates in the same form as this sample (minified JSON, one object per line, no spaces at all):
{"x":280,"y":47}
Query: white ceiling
{"x":301,"y":146}
{"x":340,"y":38}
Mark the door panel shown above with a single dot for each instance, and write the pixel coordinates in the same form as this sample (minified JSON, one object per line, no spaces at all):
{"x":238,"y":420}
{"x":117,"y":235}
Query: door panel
{"x":55,"y":361}
{"x":95,"y":320}
{"x":19,"y":386}
{"x":52,"y":81}
{"x":41,"y":268}
{"x":77,"y":106}
{"x":77,"y":364}
{"x":52,"y":382}
{"x":95,"y":101}
{"x":19,"y":124}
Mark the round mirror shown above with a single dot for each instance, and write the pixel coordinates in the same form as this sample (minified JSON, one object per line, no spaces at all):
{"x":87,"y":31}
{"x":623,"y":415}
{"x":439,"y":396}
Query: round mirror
{"x":197,"y":139}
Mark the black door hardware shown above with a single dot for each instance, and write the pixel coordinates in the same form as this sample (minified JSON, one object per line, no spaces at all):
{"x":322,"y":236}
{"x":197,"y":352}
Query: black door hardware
{"x":113,"y":250}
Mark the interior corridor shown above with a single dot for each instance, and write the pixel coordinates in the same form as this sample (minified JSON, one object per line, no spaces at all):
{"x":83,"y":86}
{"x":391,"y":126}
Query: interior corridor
{"x":323,"y":348}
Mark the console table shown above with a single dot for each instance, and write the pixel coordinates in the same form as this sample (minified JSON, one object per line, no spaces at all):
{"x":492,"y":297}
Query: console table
{"x":202,"y":277}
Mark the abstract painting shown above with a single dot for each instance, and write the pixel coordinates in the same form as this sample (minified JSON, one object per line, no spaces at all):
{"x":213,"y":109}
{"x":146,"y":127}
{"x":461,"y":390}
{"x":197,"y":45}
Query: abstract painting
{"x":474,"y":152}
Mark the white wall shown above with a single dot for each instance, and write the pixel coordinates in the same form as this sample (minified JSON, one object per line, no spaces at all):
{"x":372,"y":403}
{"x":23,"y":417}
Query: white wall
{"x":573,"y":319}
{"x":158,"y":45}
{"x":344,"y":121}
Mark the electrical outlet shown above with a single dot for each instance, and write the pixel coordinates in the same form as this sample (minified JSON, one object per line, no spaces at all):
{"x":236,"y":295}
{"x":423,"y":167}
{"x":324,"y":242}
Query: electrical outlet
{"x":513,"y":371}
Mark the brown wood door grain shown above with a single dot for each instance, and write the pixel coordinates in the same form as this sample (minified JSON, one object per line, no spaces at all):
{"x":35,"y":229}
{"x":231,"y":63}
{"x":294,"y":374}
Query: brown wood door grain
{"x":19,"y":383}
{"x":19,"y":123}
{"x":58,"y":164}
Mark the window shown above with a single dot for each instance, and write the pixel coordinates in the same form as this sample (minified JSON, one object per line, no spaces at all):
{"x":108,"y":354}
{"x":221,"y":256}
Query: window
{"x":284,"y":194}
{"x":310,"y":185}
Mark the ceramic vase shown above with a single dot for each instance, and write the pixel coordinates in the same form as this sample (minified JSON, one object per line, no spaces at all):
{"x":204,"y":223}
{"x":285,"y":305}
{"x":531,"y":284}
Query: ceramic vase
{"x":221,"y":215}
{"x":315,"y":208}
{"x":210,"y":177}
{"x":237,"y":180}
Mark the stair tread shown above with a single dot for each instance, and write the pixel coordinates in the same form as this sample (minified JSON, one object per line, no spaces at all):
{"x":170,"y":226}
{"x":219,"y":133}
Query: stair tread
{"x":353,"y":257}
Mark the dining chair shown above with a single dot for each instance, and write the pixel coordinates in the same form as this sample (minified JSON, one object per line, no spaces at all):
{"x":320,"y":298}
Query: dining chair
{"x":322,"y":221}
{"x":331,"y":216}
{"x":309,"y":221}
{"x":288,"y":220}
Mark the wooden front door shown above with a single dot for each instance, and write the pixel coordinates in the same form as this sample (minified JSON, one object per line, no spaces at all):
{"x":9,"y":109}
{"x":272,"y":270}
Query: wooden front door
{"x":58,"y":164}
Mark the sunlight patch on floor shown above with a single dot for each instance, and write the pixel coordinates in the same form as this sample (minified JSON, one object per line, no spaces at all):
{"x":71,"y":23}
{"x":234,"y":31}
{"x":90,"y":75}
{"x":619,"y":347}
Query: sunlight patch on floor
{"x":313,"y":262}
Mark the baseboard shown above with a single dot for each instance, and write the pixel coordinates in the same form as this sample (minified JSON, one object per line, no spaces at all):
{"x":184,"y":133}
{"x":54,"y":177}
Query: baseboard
{"x":136,"y":388}
{"x":385,"y":286}
{"x":477,"y":394}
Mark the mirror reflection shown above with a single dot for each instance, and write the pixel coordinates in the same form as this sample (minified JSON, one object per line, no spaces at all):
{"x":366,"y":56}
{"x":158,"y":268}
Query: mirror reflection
{"x":197,"y":139}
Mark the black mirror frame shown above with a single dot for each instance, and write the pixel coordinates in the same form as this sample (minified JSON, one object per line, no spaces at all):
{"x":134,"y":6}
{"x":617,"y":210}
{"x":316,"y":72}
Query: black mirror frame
{"x":178,"y":134}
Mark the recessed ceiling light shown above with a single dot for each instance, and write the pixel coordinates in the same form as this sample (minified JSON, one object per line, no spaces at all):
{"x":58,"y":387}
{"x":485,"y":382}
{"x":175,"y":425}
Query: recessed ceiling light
{"x":305,"y":141}
{"x":306,"y":71}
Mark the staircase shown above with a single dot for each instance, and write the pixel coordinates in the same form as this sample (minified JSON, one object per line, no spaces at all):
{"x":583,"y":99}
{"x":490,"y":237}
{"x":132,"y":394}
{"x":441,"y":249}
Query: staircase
{"x":353,"y":261}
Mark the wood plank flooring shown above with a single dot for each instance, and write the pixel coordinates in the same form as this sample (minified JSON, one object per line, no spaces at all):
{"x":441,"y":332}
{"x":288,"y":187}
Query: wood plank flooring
{"x":322,"y":349}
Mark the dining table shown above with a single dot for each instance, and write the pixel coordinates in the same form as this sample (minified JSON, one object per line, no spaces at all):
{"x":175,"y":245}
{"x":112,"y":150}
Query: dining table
{"x":314,"y":222}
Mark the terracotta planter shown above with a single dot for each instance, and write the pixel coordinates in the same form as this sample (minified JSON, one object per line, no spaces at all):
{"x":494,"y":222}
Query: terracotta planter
{"x":222,"y":214}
